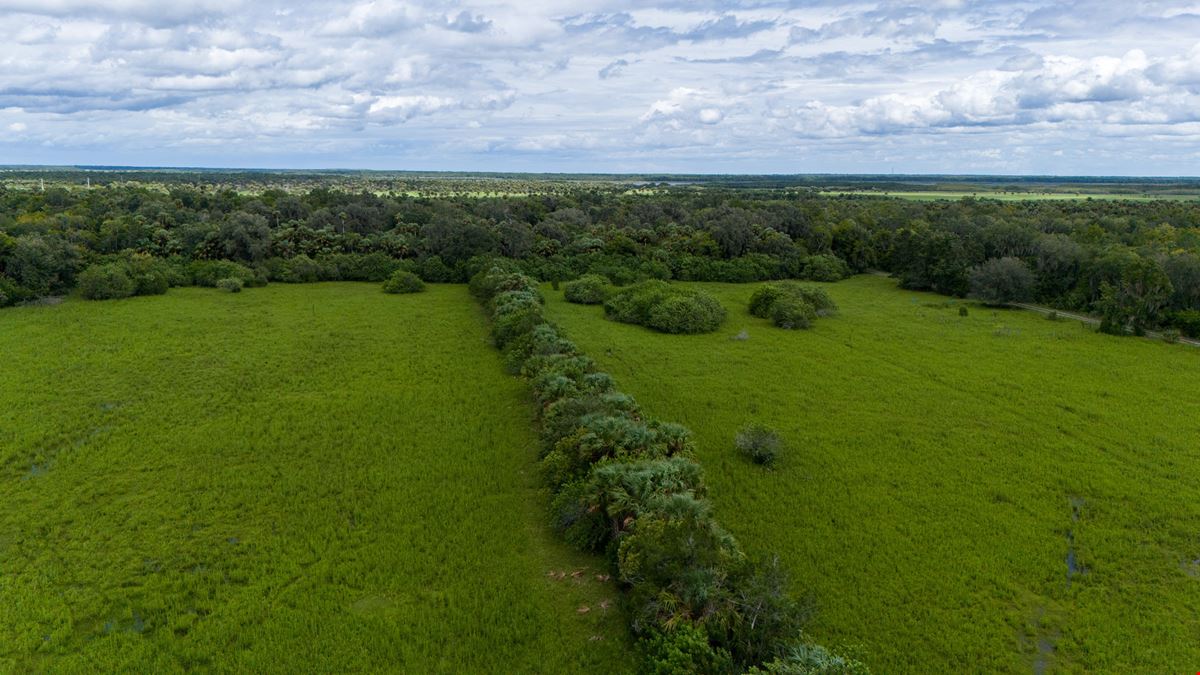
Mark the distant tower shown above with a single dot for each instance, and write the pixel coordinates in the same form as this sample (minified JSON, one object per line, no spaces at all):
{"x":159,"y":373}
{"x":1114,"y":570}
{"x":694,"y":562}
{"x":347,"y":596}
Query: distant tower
{"x":89,"y":182}
{"x":43,"y":184}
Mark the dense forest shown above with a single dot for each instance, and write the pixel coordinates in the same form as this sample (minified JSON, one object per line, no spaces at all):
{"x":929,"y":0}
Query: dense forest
{"x":1135,"y":264}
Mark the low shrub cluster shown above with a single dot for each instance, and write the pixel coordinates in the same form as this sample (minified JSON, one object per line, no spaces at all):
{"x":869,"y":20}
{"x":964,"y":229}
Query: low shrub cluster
{"x":759,"y":444}
{"x":589,"y":289}
{"x":231,"y":285}
{"x":628,"y":486}
{"x":791,"y":305}
{"x":403,"y":281}
{"x":666,"y":308}
{"x":135,"y":274}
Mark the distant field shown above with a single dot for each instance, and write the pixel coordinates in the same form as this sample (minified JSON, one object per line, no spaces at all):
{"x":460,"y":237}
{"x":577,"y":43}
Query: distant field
{"x":1007,"y":196}
{"x":990,"y":493}
{"x":292,"y":479}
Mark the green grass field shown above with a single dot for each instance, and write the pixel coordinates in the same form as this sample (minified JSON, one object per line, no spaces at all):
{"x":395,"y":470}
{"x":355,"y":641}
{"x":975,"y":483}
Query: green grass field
{"x":290,"y":479}
{"x":990,"y":493}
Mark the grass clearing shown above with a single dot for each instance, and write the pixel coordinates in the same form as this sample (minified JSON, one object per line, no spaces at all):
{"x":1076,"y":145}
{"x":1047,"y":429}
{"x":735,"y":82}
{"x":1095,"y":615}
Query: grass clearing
{"x":996,"y":492}
{"x":289,"y":479}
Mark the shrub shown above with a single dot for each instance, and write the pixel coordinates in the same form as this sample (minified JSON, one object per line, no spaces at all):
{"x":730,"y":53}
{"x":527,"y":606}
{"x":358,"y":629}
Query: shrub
{"x":791,"y":305}
{"x":759,"y":443}
{"x":230,"y":285}
{"x":793,"y":313}
{"x":150,"y":276}
{"x":824,"y":267}
{"x":811,"y":659}
{"x":589,"y":289}
{"x":683,"y":650}
{"x":692,"y":313}
{"x":663,"y":307}
{"x":403,"y":281}
{"x":1000,"y":281}
{"x":209,"y":272}
{"x":1188,"y":322}
{"x":105,"y":282}
{"x":963,"y":311}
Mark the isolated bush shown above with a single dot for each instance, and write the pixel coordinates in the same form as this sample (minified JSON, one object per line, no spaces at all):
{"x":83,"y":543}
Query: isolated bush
{"x":793,"y":313}
{"x":1170,"y":335}
{"x":403,"y":281}
{"x":105,"y":282}
{"x":1000,"y":281}
{"x":230,"y":285}
{"x":759,"y":443}
{"x":589,"y":289}
{"x":963,"y":311}
{"x":663,"y":307}
{"x":791,"y":305}
{"x":692,"y":313}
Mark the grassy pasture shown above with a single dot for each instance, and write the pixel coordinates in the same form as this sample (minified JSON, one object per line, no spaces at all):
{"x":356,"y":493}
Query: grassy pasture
{"x":990,"y":493}
{"x":290,"y":479}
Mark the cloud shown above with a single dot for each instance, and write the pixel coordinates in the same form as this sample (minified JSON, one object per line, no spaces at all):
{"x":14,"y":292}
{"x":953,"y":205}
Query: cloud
{"x":751,"y":85}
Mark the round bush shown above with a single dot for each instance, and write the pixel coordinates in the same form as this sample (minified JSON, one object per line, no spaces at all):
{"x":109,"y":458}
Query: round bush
{"x":230,"y":284}
{"x":759,"y":443}
{"x":105,"y":282}
{"x":589,"y":289}
{"x":793,"y":312}
{"x":403,"y":281}
{"x":697,"y":313}
{"x":764,"y":299}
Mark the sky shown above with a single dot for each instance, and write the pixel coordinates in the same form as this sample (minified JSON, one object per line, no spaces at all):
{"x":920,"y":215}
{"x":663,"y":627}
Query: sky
{"x":704,"y":86}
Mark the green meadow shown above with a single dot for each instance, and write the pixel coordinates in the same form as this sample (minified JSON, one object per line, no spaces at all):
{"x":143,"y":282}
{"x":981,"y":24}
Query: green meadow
{"x":289,"y":479}
{"x":995,"y":492}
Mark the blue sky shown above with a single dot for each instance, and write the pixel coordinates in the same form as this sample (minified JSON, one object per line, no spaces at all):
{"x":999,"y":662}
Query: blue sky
{"x":940,"y":86}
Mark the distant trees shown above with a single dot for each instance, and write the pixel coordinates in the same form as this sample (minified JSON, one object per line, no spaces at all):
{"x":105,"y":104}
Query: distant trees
{"x":1000,"y":281}
{"x":1131,"y":304}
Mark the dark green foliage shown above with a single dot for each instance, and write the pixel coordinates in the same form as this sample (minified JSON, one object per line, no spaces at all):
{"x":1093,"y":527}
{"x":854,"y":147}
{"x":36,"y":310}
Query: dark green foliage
{"x":683,"y":650}
{"x":150,"y":276}
{"x":403,"y":281}
{"x":209,"y":272}
{"x":1000,"y":281}
{"x":589,"y":289}
{"x":824,"y":268}
{"x":230,"y":285}
{"x":1130,"y":304}
{"x":811,"y":659}
{"x":793,"y":313}
{"x":105,"y":282}
{"x":791,"y":305}
{"x":963,"y":311}
{"x":1188,"y":322}
{"x":758,"y":443}
{"x":627,"y":485}
{"x":666,"y":308}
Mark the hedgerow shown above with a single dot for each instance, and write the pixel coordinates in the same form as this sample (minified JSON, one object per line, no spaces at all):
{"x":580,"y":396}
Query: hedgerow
{"x":628,"y":486}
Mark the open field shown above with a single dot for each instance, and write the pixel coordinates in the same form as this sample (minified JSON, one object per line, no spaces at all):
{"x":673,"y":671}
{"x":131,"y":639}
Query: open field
{"x":931,"y":195}
{"x":290,"y":479}
{"x":990,"y":493}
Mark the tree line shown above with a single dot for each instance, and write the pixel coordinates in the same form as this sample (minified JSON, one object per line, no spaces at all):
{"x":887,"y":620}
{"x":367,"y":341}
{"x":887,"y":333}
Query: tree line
{"x":1135,"y":263}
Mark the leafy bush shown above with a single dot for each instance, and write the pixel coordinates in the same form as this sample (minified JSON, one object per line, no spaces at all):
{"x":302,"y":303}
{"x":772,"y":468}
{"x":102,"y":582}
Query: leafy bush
{"x":1000,"y":281}
{"x":691,"y":313}
{"x":589,"y":289}
{"x":403,"y":281}
{"x":663,"y":307}
{"x":150,"y":276}
{"x":759,"y":443}
{"x":791,"y":305}
{"x":683,"y":650}
{"x":209,"y":272}
{"x":230,"y":285}
{"x":824,"y":267}
{"x":1188,"y":322}
{"x":105,"y":282}
{"x":793,"y":313}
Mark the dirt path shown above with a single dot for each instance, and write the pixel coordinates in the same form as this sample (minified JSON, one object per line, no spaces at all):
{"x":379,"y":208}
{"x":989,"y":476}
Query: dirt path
{"x":1092,"y":320}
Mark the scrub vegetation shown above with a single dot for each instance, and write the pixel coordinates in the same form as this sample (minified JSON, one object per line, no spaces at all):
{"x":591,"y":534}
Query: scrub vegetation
{"x":285,"y":480}
{"x":990,"y":492}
